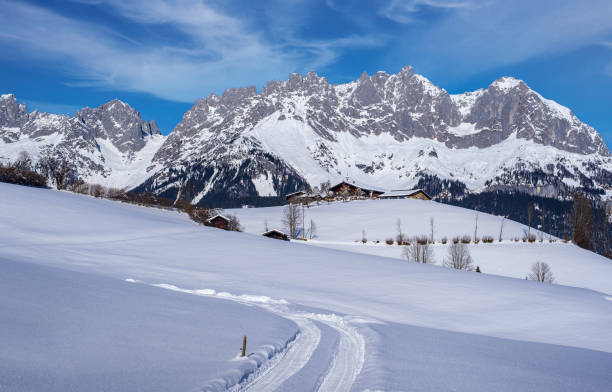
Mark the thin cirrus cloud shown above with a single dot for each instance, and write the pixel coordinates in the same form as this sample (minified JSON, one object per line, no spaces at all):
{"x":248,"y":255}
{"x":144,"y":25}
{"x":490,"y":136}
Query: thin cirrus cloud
{"x":215,"y":51}
{"x":478,"y":35}
{"x":405,"y":11}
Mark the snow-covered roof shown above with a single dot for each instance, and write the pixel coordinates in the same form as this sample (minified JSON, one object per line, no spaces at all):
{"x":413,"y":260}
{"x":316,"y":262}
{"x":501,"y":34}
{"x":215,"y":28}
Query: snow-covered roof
{"x":402,"y":192}
{"x":295,"y":193}
{"x":273,"y":231}
{"x":219,"y":216}
{"x":358,"y":185}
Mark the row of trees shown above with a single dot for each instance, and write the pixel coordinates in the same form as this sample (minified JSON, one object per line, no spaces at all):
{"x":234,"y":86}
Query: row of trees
{"x":21,"y":172}
{"x":458,"y":257}
{"x":54,"y":168}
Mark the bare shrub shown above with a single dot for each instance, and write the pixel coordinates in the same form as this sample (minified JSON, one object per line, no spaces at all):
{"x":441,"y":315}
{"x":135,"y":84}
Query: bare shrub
{"x":421,"y":240}
{"x":364,"y":239}
{"x":234,"y":223}
{"x":459,"y":257}
{"x":466,"y":239}
{"x":444,"y":240}
{"x":21,"y":175}
{"x":202,"y":215}
{"x":389,"y":241}
{"x":541,"y":272}
{"x":419,"y":253}
{"x":476,"y":240}
{"x":455,"y":240}
{"x":487,"y":239}
{"x":516,"y":239}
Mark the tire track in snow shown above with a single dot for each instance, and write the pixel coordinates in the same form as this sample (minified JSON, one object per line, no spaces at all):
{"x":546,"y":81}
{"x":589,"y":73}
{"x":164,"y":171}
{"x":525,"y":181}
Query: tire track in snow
{"x":348,"y":359}
{"x":292,"y":362}
{"x":347,"y":362}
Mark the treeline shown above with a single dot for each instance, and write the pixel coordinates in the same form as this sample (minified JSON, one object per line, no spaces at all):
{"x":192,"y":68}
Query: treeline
{"x":583,"y":219}
{"x":22,"y":172}
{"x":53,"y":169}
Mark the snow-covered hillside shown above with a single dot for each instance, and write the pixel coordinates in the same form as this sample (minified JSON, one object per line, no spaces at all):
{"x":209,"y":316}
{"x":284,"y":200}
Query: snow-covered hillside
{"x":342,"y":225}
{"x":365,"y":322}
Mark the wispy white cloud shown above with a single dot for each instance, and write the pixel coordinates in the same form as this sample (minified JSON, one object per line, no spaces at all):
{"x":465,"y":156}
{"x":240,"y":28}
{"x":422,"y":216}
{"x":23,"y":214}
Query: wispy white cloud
{"x":403,"y":11}
{"x":218,"y":50}
{"x":483,"y":35}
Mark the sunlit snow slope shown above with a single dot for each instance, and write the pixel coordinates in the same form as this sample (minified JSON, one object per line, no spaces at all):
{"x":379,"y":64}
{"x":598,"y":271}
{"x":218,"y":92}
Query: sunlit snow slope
{"x":342,"y":226}
{"x":366,"y":322}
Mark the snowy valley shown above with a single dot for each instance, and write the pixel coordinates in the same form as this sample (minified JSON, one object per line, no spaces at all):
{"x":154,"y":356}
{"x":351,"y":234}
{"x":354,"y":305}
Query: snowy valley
{"x":122,"y":297}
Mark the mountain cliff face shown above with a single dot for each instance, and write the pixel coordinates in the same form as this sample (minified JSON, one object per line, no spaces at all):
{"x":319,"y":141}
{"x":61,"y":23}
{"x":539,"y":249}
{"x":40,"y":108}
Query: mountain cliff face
{"x":388,"y":130}
{"x":384,"y":130}
{"x":110,"y":144}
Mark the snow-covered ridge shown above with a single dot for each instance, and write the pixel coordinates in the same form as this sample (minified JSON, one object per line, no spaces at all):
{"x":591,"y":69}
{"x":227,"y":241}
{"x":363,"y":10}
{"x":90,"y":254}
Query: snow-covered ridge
{"x":110,"y":145}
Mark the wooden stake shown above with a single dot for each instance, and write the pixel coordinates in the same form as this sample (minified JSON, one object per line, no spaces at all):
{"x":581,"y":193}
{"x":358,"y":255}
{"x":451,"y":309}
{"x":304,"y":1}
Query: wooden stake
{"x":244,"y":346}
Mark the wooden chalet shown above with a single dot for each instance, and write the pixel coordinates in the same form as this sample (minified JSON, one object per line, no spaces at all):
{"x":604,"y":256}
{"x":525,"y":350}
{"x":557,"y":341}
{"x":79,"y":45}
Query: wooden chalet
{"x":346,"y":188}
{"x":276,"y":234}
{"x":220,"y":222}
{"x":294,"y":197}
{"x":406,"y":194}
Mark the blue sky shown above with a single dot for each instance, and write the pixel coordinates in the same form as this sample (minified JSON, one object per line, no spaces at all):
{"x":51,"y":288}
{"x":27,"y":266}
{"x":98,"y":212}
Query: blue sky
{"x":161,"y":55}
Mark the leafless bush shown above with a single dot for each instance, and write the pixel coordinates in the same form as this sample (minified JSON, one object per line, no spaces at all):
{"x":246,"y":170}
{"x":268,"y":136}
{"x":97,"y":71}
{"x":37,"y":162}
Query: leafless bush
{"x":389,"y":241}
{"x":420,"y":253}
{"x":21,"y":175}
{"x":476,"y":240}
{"x":421,"y":240}
{"x":487,"y":239}
{"x":202,"y":215}
{"x":364,"y":239}
{"x":541,"y":272}
{"x":444,"y":240}
{"x":466,"y":239}
{"x":455,"y":240}
{"x":234,"y":223}
{"x":459,"y":257}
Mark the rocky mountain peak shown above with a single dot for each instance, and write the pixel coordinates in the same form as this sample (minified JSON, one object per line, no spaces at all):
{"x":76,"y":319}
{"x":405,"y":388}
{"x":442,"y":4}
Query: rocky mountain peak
{"x":12,"y":113}
{"x":118,"y":122}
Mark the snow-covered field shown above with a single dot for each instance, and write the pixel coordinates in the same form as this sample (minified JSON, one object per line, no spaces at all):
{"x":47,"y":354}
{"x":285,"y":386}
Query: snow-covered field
{"x":341,"y":225}
{"x":364,"y":321}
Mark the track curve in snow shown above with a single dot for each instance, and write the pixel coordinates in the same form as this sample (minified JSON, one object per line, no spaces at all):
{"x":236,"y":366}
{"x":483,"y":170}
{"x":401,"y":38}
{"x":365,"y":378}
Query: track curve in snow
{"x":345,"y":366}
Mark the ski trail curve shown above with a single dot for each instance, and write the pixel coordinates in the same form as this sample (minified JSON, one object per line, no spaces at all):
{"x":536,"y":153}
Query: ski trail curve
{"x":347,"y":361}
{"x":296,"y":357}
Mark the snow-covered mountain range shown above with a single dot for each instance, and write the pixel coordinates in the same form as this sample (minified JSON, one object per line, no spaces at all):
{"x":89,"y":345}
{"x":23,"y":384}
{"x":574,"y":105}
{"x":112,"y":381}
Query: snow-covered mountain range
{"x":386,"y":130}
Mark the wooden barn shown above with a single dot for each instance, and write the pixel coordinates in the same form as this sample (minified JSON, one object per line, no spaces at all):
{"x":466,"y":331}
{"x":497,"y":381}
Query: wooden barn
{"x":346,"y":188}
{"x":276,"y":234}
{"x":220,"y":222}
{"x":406,"y":194}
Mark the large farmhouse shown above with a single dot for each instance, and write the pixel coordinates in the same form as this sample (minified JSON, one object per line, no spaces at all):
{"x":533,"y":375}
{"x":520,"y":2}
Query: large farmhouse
{"x":406,"y":194}
{"x":347,"y":189}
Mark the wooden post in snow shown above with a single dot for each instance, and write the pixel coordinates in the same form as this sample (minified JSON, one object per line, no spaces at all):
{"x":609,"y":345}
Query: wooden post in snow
{"x":244,"y":346}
